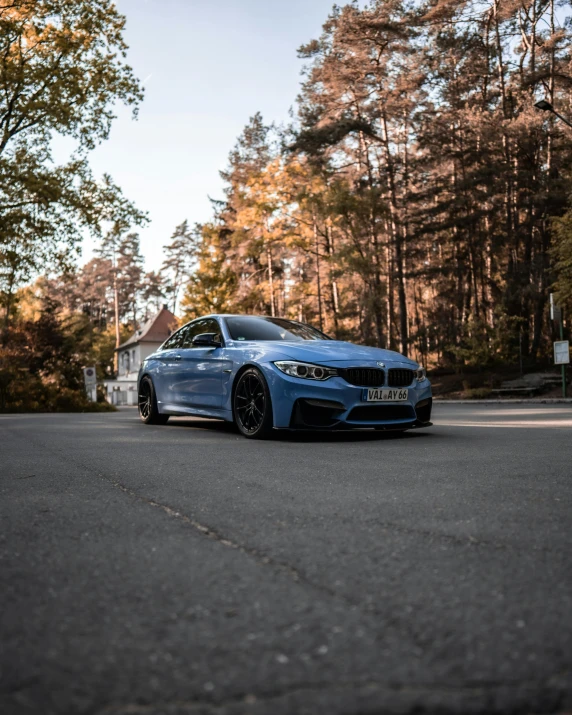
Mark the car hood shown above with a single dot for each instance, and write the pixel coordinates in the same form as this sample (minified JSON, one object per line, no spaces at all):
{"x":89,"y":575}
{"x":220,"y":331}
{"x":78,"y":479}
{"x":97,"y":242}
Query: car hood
{"x":332,"y":352}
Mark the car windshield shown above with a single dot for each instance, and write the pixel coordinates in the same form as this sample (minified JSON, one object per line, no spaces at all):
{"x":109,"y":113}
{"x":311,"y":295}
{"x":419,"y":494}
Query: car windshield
{"x":251,"y":328}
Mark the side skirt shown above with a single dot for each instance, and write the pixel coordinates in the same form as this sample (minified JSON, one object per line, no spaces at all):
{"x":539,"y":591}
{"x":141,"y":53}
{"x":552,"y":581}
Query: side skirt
{"x":207,"y":412}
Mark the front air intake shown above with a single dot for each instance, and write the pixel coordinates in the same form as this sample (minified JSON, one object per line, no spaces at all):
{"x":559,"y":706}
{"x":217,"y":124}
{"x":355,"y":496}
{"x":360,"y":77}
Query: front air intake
{"x":423,"y":410}
{"x":381,"y":413}
{"x":315,"y":413}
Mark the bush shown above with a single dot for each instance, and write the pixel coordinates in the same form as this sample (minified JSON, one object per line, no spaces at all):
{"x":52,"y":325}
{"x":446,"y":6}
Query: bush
{"x":21,"y":391}
{"x":41,"y":363}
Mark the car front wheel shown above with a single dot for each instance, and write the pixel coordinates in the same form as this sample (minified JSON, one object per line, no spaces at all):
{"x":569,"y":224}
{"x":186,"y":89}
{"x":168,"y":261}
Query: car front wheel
{"x":251,"y":405}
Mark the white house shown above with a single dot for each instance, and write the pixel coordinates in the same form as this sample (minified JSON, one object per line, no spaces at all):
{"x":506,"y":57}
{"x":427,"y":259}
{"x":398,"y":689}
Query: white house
{"x":123,"y":389}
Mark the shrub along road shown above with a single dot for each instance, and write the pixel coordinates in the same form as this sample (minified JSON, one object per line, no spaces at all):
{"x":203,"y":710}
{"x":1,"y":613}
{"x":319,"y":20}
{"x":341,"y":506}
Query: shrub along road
{"x":183,"y":569}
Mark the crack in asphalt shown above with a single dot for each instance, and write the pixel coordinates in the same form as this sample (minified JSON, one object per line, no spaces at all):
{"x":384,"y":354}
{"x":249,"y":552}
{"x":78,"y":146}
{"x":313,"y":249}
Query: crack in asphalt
{"x":215,"y":535}
{"x":399,"y":622}
{"x":207,"y":531}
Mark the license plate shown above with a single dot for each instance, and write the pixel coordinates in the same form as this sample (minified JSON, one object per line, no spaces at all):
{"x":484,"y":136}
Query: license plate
{"x":376,"y":394}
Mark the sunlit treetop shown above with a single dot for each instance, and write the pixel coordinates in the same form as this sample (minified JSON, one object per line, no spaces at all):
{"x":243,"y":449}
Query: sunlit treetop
{"x":62,"y":69}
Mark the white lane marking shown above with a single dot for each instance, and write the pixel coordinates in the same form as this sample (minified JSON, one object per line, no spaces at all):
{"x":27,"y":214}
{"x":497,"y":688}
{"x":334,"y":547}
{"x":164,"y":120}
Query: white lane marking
{"x":529,"y":423}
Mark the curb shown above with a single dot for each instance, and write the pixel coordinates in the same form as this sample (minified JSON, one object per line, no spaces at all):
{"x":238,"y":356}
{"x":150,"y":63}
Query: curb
{"x":517,"y":401}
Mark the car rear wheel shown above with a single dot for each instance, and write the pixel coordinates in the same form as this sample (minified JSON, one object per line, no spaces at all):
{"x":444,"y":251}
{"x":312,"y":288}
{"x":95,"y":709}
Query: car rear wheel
{"x":251,"y":405}
{"x":148,"y":411}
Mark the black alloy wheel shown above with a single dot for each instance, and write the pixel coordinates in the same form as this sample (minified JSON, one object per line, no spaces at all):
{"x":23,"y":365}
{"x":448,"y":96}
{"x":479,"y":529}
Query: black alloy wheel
{"x":252,"y":408}
{"x":148,"y":411}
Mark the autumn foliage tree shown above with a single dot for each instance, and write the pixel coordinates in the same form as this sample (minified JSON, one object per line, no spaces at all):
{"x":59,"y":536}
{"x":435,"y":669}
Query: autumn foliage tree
{"x":62,"y":70}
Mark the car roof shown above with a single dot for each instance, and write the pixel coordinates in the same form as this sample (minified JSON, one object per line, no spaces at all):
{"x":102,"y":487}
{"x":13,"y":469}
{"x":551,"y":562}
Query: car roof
{"x":239,"y":315}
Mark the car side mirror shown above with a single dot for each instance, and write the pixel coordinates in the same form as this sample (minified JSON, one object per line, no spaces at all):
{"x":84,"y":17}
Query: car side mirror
{"x":206,"y":340}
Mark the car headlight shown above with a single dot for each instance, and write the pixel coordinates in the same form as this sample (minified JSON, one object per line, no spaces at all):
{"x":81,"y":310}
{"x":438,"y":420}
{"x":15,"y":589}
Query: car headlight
{"x":420,"y":374}
{"x":305,"y":370}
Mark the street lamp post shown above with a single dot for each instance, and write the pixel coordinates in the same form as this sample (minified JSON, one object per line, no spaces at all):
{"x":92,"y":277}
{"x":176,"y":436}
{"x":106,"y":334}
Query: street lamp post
{"x":547,"y":107}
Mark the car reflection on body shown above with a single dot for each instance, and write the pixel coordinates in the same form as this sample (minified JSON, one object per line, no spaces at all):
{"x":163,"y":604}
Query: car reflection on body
{"x":267,"y":373}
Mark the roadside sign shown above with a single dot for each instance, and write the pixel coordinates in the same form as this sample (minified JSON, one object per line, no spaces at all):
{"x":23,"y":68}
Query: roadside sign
{"x":555,"y":310}
{"x":562,"y":352}
{"x":89,"y":376}
{"x":90,"y":379}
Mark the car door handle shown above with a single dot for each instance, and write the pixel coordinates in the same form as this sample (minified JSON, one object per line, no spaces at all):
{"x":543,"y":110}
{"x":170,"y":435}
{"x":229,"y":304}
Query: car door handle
{"x":177,"y":357}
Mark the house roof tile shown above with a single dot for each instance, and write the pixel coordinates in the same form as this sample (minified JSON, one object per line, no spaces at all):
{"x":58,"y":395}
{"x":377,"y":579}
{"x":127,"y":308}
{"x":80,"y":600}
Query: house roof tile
{"x":156,"y":330}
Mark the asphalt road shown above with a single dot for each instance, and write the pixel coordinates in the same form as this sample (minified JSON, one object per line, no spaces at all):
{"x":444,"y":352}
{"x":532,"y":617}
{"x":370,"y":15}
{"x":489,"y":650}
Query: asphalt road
{"x":183,"y":569}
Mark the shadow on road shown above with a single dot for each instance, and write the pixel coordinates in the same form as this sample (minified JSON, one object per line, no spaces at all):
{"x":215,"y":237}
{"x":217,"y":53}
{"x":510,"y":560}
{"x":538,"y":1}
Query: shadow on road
{"x":358,"y":435}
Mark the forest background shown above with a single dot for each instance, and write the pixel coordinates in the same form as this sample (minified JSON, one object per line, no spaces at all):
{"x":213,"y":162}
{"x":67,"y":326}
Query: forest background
{"x":417,"y":200}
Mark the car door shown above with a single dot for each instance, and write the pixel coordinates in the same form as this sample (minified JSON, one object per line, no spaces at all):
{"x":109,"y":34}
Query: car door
{"x":165,"y":378}
{"x":198,"y":374}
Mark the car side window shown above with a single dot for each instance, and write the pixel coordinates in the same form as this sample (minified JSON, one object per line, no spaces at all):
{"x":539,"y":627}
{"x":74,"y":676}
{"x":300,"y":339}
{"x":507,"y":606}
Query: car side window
{"x":206,"y":325}
{"x":175,"y":340}
{"x":192,"y":330}
{"x":212,"y":326}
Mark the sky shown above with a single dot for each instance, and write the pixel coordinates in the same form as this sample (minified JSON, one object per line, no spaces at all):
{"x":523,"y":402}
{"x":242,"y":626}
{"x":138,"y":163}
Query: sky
{"x":207,"y":66}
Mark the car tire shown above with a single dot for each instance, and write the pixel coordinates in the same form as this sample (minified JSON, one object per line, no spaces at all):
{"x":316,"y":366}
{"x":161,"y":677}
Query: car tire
{"x":252,"y":405}
{"x":147,"y":404}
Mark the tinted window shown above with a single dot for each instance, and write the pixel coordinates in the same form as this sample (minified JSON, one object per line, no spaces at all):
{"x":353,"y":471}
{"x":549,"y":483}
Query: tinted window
{"x":175,"y":340}
{"x":190,"y":332}
{"x":207,"y":325}
{"x":212,"y":326}
{"x":271,"y":329}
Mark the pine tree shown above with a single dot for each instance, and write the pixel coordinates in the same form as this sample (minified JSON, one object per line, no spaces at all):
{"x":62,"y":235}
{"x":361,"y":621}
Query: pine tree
{"x":180,"y":257}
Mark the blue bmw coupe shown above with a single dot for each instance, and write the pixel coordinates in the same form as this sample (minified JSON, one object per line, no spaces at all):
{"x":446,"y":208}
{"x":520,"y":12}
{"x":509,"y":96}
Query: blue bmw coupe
{"x":271,"y":373}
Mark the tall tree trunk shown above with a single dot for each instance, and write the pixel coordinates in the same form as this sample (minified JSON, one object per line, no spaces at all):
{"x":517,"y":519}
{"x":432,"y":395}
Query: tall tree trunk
{"x":397,"y":240}
{"x":271,"y":281}
{"x":374,"y":241}
{"x":9,"y":300}
{"x":333,"y":282}
{"x":390,"y":297}
{"x":318,"y":274}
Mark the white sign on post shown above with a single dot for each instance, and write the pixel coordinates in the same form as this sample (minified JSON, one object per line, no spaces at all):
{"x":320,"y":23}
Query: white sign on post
{"x":562,"y":352}
{"x":89,"y":376}
{"x":555,"y":310}
{"x":90,"y":379}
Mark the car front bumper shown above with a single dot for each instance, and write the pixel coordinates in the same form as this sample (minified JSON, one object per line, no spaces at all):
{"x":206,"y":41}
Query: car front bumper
{"x":335,"y":404}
